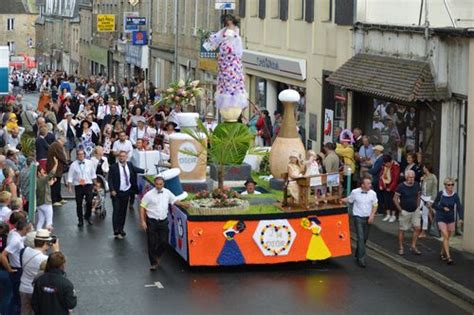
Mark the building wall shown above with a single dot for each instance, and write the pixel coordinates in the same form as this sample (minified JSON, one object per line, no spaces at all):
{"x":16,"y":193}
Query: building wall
{"x":85,"y":38}
{"x":322,"y":44}
{"x":24,"y":30}
{"x":407,"y":12}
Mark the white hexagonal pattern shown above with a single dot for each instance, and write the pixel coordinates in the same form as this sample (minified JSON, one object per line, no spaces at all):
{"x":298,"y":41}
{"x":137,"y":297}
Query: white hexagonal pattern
{"x":274,"y":237}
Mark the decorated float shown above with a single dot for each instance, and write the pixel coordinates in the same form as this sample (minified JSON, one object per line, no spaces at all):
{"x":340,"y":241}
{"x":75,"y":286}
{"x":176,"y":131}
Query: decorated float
{"x":222,"y":226}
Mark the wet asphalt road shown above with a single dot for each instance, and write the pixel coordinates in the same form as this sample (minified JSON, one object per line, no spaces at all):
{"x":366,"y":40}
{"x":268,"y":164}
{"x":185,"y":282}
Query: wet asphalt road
{"x":110,"y":277}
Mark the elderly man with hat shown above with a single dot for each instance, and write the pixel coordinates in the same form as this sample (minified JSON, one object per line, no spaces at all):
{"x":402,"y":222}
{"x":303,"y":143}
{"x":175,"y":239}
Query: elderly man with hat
{"x":33,"y":261}
{"x":142,"y":131}
{"x":374,"y":171}
{"x":210,"y":122}
{"x":250,"y":185}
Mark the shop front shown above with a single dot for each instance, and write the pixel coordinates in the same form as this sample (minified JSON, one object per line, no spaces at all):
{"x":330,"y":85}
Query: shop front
{"x":136,"y":58}
{"x":268,"y":75}
{"x":98,"y":58}
{"x":394,"y":101}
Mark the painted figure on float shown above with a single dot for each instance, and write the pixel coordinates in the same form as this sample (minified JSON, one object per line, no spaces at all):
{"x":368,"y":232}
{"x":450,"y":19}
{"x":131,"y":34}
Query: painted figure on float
{"x":231,"y":96}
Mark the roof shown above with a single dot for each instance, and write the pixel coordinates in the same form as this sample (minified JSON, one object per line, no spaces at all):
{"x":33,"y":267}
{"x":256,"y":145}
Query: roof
{"x":388,"y":77}
{"x":13,"y":7}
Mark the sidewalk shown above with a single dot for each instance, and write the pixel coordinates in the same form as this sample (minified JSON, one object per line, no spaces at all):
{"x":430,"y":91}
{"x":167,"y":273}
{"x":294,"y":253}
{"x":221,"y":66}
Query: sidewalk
{"x":457,"y":278}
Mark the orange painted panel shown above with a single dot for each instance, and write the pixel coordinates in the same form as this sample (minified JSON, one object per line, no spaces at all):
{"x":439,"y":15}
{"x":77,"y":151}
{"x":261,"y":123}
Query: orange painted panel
{"x":207,"y":239}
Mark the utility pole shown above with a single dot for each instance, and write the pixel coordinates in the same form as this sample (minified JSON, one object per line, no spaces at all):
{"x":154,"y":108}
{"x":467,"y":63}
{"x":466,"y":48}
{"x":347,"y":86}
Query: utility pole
{"x":176,"y":28}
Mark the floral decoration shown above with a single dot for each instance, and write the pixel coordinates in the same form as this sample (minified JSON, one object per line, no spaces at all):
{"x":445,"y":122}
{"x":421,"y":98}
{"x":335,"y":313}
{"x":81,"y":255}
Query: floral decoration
{"x":180,"y":92}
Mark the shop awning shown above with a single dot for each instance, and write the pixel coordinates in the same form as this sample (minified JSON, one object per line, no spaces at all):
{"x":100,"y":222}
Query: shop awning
{"x":387,"y":77}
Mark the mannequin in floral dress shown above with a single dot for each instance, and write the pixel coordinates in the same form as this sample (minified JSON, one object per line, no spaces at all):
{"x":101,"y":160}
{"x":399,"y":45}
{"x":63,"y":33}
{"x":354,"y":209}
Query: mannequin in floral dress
{"x":230,"y":77}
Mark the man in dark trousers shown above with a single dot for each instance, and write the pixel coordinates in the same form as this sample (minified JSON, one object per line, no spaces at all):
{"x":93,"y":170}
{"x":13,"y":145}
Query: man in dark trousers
{"x":122,"y":180}
{"x":154,"y":219}
{"x":53,"y":293}
{"x":82,"y":175}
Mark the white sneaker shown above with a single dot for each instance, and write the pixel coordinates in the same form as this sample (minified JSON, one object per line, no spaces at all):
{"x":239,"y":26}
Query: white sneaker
{"x":392,"y":219}
{"x":386,"y":218}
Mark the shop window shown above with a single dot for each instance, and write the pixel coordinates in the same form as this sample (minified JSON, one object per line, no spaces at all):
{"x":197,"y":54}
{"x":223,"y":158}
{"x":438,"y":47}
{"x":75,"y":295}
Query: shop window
{"x":10,"y":24}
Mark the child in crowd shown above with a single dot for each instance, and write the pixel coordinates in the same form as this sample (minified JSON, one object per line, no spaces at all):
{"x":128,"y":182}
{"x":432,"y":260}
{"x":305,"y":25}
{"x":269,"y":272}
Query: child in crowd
{"x":97,"y":199}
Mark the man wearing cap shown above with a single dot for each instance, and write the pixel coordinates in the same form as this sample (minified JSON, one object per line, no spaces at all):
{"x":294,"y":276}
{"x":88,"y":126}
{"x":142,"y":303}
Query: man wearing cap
{"x":210,"y":122}
{"x":142,"y":131}
{"x":375,"y":170}
{"x":154,"y":219}
{"x":34,"y":260}
{"x":250,"y":185}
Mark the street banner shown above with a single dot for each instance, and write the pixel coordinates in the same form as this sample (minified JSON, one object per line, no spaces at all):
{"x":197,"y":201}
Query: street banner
{"x":139,"y":38}
{"x":128,"y":28}
{"x":105,"y":23}
{"x":225,"y":5}
{"x":207,"y":58}
{"x":4,"y":69}
{"x":32,"y":193}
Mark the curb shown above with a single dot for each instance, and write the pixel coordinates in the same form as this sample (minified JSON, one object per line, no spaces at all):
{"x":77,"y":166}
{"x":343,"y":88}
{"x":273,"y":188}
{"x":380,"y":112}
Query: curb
{"x":427,"y":273}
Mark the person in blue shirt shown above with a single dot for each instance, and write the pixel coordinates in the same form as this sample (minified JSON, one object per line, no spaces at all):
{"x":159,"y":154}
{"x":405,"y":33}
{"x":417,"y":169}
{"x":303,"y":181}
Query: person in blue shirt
{"x":448,"y":206}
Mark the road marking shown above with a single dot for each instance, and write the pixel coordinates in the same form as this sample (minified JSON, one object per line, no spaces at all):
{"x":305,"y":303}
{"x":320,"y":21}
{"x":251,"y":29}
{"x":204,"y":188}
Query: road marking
{"x":156,"y":284}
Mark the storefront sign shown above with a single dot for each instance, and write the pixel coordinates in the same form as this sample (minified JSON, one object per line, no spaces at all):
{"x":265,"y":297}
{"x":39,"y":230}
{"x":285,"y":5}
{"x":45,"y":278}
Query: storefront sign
{"x":105,"y":22}
{"x":274,"y":237}
{"x":328,"y":125}
{"x":207,"y":58}
{"x":279,"y":65}
{"x":225,"y":5}
{"x":187,"y":163}
{"x":135,"y":20}
{"x":139,"y":38}
{"x":128,"y":28}
{"x":133,"y":2}
{"x":133,"y":55}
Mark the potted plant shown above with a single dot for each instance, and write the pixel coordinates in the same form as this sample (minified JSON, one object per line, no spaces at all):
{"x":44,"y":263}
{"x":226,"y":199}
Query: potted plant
{"x":228,"y":145}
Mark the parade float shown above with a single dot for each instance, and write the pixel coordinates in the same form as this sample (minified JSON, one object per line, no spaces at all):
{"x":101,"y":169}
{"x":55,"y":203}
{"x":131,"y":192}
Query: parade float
{"x":222,"y":227}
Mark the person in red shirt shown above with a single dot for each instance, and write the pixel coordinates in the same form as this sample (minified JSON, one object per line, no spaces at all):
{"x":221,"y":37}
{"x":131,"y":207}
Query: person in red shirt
{"x":388,"y":181}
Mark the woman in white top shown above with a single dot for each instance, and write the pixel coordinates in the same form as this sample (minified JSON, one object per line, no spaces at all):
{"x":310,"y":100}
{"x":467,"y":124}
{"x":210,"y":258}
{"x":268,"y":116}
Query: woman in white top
{"x":312,"y":169}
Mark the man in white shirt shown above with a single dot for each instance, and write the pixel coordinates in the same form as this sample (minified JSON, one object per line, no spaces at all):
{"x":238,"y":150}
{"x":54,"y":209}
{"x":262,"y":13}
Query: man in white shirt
{"x":364,"y":206}
{"x":10,"y":260}
{"x":81,"y":175}
{"x":32,"y":261}
{"x":142,"y":131}
{"x":154,"y":219}
{"x":210,"y":123}
{"x":250,"y":188}
{"x":122,"y":144}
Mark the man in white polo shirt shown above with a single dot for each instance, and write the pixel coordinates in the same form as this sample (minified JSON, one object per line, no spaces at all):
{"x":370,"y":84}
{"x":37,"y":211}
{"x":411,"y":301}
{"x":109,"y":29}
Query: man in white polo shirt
{"x":364,"y":206}
{"x":122,"y":144}
{"x":154,"y":219}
